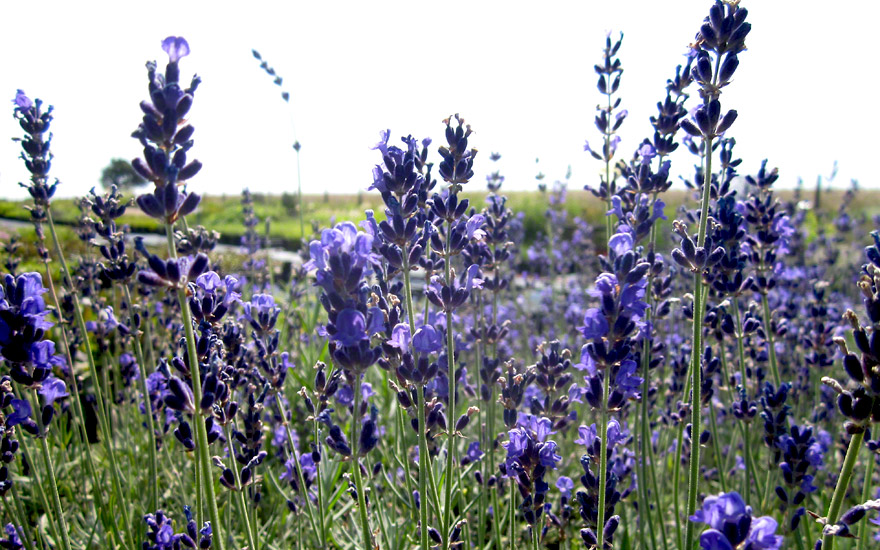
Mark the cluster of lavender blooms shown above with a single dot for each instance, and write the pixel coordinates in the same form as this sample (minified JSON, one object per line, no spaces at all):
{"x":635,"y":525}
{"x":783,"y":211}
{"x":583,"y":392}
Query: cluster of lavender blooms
{"x":427,"y":377}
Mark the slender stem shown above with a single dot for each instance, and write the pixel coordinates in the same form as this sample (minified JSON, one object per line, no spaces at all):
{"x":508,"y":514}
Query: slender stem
{"x":849,"y":462}
{"x":424,"y":454}
{"x":603,"y":458}
{"x":356,"y":466}
{"x":654,"y":486}
{"x":771,"y":340}
{"x":241,"y":501}
{"x":93,"y":372}
{"x":200,"y":495}
{"x":478,"y":361}
{"x":320,"y":482}
{"x":299,"y":192}
{"x":38,"y":481}
{"x":676,"y":477}
{"x":644,"y":434}
{"x":450,"y":375}
{"x":148,"y":405}
{"x":719,"y":463}
{"x":50,"y":471}
{"x":302,"y":483}
{"x":609,"y":223}
{"x":512,"y":520}
{"x":866,"y":495}
{"x":202,"y":455}
{"x":493,"y":436}
{"x":696,"y":354}
{"x":740,"y":349}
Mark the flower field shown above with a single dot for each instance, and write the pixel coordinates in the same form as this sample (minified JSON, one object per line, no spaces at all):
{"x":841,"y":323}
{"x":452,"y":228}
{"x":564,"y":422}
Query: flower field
{"x":437,"y":363}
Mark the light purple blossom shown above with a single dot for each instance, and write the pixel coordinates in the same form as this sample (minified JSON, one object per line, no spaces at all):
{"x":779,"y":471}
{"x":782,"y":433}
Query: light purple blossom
{"x":53,"y":389}
{"x":176,"y":47}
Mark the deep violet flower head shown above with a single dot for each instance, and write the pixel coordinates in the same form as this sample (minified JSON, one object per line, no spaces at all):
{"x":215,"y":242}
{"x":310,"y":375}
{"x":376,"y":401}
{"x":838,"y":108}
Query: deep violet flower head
{"x":731,"y":525}
{"x":802,"y":457}
{"x":166,"y":137}
{"x":457,"y":166}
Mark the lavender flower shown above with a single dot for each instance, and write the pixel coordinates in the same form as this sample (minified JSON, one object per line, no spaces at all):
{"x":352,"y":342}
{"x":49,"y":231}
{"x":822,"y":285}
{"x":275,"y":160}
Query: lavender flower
{"x":732,"y":526}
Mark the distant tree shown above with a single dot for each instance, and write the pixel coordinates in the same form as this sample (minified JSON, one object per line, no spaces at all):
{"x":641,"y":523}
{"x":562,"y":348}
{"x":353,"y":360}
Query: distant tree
{"x":120,"y":173}
{"x":290,"y":202}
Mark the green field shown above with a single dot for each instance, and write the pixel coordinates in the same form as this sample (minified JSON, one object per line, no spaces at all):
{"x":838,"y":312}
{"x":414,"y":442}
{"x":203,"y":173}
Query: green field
{"x":223,"y":213}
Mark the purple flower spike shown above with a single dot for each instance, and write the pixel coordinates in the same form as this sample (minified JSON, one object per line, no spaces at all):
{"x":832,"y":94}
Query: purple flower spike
{"x":176,"y":47}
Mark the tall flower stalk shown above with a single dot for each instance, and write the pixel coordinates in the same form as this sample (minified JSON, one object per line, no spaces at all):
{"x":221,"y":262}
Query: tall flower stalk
{"x":721,"y":37}
{"x":456,"y":169}
{"x":608,"y":122}
{"x":166,"y":137}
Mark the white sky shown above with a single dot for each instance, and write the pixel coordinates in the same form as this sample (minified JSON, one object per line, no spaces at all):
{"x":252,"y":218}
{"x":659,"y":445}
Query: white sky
{"x":520,"y":73}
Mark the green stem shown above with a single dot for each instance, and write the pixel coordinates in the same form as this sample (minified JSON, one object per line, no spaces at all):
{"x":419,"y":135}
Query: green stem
{"x":603,"y":458}
{"x":512,"y":519}
{"x":356,"y":467}
{"x":241,"y":501}
{"x":302,"y":483}
{"x":320,"y":482}
{"x":450,"y":416}
{"x":644,"y":435}
{"x":771,"y":340}
{"x":493,"y":436}
{"x":50,"y":471}
{"x":849,"y":462}
{"x":478,"y":361}
{"x":202,"y":455}
{"x":200,"y":496}
{"x":662,"y":522}
{"x":299,"y":192}
{"x":148,"y":405}
{"x":424,"y":454}
{"x":676,"y":476}
{"x":719,"y":463}
{"x":747,"y":446}
{"x":696,"y":354}
{"x":19,"y":505}
{"x":866,"y":495}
